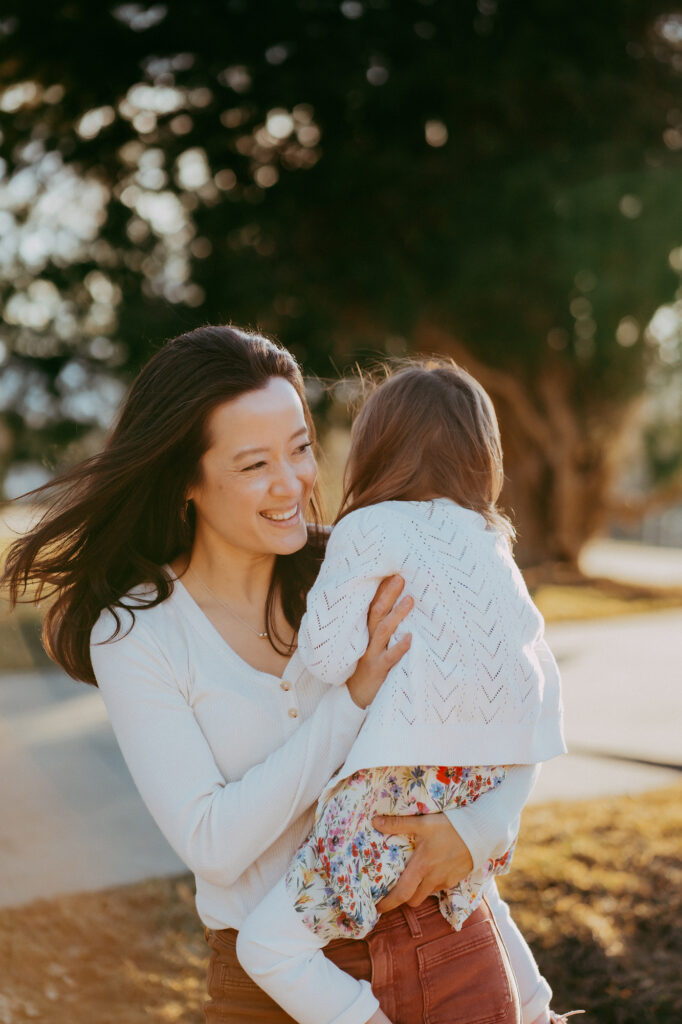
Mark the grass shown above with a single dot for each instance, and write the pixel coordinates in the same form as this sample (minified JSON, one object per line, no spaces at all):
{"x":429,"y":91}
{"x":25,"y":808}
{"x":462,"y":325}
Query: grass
{"x":591,"y":598}
{"x":20,"y":644}
{"x":122,"y":956}
{"x":595,"y":888}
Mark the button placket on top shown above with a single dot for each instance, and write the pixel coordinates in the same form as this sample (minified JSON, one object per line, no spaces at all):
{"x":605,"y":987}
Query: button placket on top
{"x":288,"y":689}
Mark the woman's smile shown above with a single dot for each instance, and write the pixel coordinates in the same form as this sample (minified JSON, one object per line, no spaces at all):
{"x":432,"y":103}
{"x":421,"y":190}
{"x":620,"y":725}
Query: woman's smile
{"x":283,"y":518}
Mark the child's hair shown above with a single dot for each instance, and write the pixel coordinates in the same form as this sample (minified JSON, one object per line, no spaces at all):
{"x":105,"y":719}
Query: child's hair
{"x":427,"y":430}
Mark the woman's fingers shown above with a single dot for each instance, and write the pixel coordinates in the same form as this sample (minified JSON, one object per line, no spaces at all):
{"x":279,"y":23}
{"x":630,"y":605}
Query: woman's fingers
{"x":387,"y":594}
{"x":405,"y":888}
{"x":425,"y":888}
{"x":392,"y":655}
{"x":400,"y":824}
{"x":385,"y":629}
{"x":440,"y":859}
{"x":383,"y":619}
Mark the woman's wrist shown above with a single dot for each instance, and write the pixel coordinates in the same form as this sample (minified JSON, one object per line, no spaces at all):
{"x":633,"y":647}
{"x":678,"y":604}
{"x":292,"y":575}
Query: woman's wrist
{"x":356,"y":696}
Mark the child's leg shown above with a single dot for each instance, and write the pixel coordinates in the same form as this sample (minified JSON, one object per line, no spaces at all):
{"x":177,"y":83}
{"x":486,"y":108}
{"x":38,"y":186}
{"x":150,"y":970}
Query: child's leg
{"x":534,"y":991}
{"x":284,"y":957}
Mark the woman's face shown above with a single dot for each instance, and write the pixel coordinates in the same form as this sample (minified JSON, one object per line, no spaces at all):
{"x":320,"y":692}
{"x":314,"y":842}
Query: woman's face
{"x":257,"y":473}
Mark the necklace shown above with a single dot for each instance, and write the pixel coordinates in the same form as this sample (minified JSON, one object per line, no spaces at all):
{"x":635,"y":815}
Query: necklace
{"x":263,"y":636}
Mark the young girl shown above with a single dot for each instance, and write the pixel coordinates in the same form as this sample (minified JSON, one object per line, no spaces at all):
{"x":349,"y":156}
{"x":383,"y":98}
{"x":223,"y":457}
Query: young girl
{"x":477,"y":691}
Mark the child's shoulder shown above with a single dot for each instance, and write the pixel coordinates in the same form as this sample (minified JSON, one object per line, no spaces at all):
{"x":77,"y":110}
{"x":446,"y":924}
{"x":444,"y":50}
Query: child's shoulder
{"x":381,"y":527}
{"x":383,"y":516}
{"x":409,"y":519}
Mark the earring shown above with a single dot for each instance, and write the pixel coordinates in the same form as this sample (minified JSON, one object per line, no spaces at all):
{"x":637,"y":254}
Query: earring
{"x":184,"y":517}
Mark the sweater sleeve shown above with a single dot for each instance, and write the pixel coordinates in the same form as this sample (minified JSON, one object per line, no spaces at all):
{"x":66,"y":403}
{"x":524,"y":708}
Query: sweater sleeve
{"x":333,"y":634}
{"x":217,"y":827}
{"x":488,"y":825}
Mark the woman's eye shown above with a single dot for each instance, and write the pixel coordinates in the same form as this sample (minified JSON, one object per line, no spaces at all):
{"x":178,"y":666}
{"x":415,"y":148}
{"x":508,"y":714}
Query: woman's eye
{"x":304,"y":447}
{"x":256,"y":465}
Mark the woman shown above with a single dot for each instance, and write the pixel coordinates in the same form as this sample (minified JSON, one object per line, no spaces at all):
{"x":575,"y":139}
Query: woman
{"x":179,"y":559}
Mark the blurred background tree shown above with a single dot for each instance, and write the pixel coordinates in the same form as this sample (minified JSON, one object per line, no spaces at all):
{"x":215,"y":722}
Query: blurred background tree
{"x":496,"y":181}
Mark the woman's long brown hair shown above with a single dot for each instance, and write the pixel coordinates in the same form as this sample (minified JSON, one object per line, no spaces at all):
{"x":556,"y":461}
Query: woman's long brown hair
{"x":115,"y":520}
{"x":426,"y":430}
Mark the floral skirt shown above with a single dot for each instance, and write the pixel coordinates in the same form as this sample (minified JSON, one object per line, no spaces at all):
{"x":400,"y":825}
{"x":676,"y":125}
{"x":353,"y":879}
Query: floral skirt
{"x":345,"y":866}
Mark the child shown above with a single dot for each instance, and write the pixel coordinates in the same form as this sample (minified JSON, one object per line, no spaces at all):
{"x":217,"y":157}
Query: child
{"x":478,"y":690}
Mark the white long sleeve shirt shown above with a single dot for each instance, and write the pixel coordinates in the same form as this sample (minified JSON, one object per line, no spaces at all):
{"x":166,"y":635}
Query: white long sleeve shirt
{"x":229,"y":774}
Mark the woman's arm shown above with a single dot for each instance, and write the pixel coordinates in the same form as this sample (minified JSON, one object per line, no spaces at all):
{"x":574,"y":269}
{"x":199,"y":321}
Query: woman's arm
{"x":219,"y":828}
{"x":450,"y":845}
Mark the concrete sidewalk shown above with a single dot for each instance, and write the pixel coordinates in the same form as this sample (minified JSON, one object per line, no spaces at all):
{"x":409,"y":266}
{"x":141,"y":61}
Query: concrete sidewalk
{"x":73,"y":820}
{"x":630,"y":562}
{"x":623,"y":706}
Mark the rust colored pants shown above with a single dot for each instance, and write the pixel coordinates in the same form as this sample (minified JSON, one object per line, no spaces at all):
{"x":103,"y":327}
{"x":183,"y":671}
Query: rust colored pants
{"x":421,"y":971}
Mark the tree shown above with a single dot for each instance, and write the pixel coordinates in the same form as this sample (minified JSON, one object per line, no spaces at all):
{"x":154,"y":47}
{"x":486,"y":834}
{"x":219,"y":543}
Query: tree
{"x":492,"y":180}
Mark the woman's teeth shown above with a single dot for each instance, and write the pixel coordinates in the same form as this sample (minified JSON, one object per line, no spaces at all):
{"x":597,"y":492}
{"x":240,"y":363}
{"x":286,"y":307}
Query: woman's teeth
{"x":280,"y":517}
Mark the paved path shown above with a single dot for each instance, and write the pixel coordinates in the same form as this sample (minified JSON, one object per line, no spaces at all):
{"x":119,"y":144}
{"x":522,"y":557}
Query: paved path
{"x":72,"y":819}
{"x":622,"y":684}
{"x":630,"y":562}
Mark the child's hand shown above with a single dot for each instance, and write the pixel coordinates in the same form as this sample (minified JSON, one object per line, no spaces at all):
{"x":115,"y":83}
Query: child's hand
{"x":384,"y":617}
{"x":440,"y":859}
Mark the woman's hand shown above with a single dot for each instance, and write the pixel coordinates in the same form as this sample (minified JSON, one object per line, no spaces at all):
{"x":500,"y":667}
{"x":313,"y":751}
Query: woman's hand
{"x":440,"y":859}
{"x":385,"y":614}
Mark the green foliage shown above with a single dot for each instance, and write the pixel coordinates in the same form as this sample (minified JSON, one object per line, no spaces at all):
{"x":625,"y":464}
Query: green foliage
{"x":506,"y":171}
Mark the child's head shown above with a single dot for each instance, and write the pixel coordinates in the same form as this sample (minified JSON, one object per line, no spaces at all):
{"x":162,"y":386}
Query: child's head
{"x":427,"y":430}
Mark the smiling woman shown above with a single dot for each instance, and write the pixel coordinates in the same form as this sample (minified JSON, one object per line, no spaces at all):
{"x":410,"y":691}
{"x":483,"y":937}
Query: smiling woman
{"x":202,"y":454}
{"x":249,"y":506}
{"x":179,"y":559}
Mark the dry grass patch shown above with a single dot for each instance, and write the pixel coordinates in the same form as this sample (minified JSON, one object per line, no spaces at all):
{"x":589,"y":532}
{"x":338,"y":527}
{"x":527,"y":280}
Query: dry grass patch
{"x":595,"y":887}
{"x":588,"y":598}
{"x":131,"y":955}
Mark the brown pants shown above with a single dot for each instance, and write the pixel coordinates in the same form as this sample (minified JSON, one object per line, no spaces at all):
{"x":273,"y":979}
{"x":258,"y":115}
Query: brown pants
{"x":421,"y":971}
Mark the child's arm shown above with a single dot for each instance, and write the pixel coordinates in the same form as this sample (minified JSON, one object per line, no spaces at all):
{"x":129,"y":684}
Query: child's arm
{"x":360,"y":553}
{"x":284,"y":957}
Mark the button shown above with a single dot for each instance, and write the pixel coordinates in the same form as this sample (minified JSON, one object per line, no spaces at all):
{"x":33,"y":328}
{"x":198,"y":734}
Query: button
{"x":293,"y":713}
{"x":285,"y":685}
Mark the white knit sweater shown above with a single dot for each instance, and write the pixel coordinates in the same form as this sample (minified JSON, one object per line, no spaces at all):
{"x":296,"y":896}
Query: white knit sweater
{"x":478,"y":684}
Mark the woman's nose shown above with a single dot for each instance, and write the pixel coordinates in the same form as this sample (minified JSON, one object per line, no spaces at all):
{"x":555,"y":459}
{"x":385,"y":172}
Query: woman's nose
{"x":286,"y":481}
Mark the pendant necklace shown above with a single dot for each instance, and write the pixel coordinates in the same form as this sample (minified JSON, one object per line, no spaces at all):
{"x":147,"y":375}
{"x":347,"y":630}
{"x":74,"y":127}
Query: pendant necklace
{"x":263,"y":636}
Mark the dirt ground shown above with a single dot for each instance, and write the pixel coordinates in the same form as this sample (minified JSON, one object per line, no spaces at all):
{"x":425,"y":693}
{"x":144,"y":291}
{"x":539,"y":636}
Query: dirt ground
{"x":596,"y":888}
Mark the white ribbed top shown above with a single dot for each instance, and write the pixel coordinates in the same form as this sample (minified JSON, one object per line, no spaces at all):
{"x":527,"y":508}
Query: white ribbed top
{"x":229,"y":776}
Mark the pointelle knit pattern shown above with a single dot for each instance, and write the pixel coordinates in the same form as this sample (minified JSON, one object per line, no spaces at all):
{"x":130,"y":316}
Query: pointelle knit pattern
{"x":479,"y":684}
